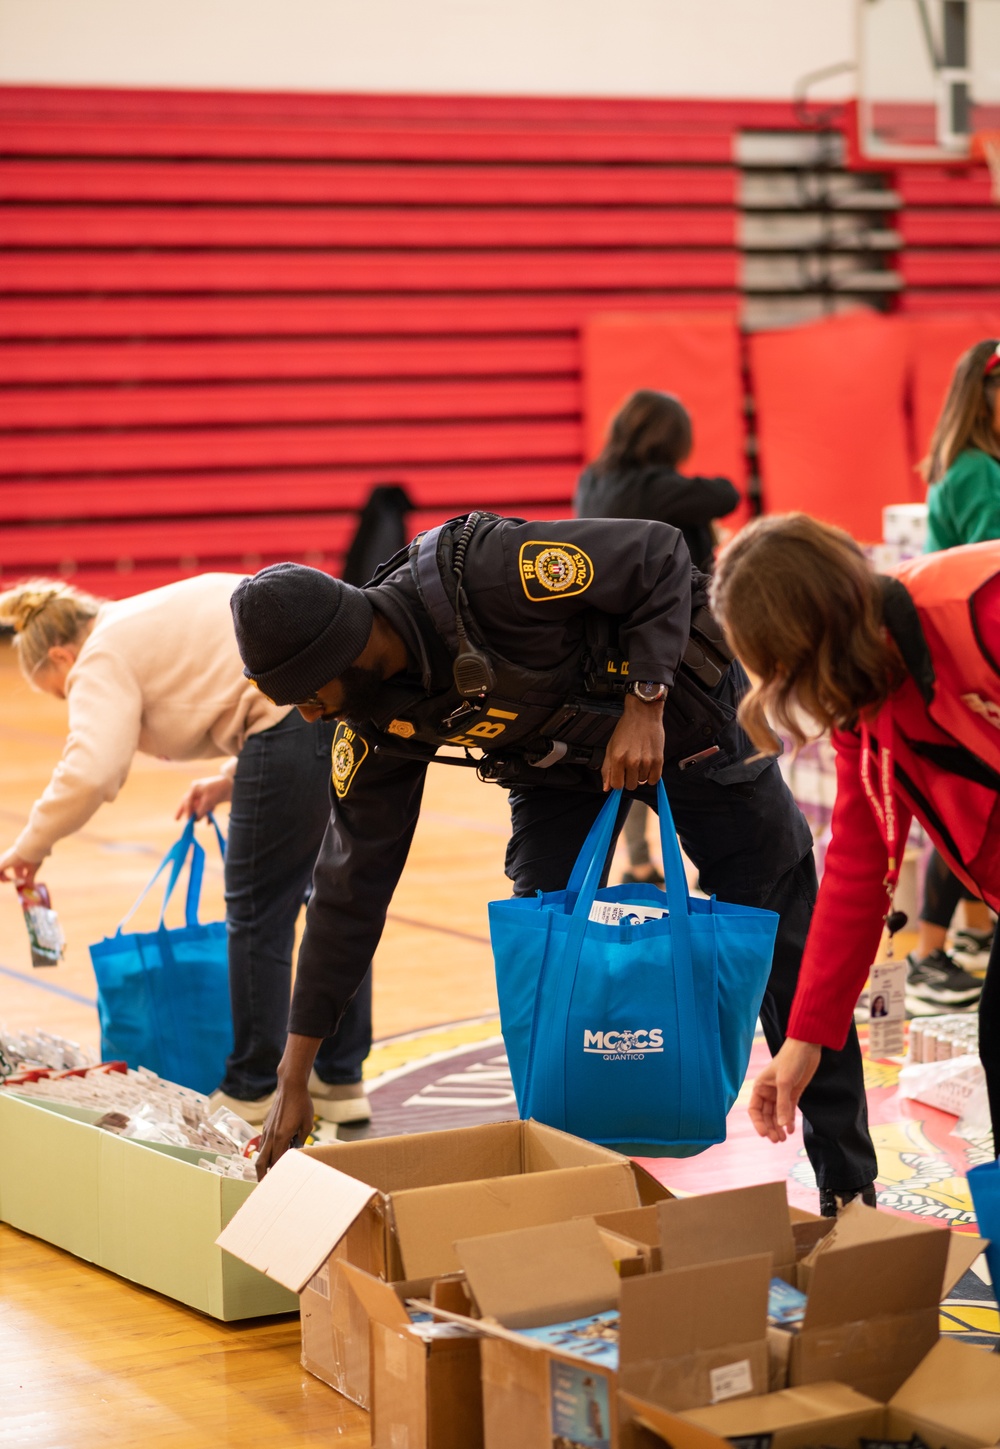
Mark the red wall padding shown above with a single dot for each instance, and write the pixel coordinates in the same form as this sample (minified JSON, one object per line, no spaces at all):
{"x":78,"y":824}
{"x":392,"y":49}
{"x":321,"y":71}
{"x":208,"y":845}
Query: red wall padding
{"x":831,"y":421}
{"x":694,"y":356}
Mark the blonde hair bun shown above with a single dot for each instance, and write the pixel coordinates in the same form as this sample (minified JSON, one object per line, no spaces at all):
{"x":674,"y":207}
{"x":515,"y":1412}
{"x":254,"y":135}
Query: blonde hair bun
{"x":45,"y":614}
{"x":19,"y":606}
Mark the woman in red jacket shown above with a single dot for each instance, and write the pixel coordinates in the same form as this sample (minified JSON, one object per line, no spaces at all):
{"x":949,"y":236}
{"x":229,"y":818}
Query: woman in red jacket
{"x":905,"y":671}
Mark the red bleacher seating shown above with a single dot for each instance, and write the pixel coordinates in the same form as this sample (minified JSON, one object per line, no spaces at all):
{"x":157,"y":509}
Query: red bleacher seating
{"x":950,"y":227}
{"x":223,"y":317}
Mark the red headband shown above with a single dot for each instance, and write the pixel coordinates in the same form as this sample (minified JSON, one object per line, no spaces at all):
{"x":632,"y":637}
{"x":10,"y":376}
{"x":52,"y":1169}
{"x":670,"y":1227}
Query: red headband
{"x":993,"y":362}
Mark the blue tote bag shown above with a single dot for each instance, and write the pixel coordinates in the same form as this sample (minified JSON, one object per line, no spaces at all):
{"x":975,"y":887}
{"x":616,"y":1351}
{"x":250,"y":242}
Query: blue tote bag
{"x":163,"y":995}
{"x":635,"y":1033}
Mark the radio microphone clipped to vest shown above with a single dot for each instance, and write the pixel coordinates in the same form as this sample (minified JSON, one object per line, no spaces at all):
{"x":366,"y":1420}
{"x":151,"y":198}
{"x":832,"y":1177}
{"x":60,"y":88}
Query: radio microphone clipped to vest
{"x":472,"y":671}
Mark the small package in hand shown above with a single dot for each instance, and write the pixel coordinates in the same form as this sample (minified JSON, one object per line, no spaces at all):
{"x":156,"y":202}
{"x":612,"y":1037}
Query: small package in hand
{"x":44,"y":931}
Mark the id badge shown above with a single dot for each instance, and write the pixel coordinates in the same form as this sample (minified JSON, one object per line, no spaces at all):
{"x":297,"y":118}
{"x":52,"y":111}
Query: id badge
{"x":887,"y":1009}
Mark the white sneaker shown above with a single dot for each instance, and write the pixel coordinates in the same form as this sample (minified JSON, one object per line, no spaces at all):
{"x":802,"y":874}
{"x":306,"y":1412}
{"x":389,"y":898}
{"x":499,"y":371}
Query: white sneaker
{"x":252,"y":1112}
{"x":345,"y":1103}
{"x":971,"y":948}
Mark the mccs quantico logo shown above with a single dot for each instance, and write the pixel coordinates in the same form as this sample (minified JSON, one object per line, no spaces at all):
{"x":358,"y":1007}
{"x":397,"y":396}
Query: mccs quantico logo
{"x":622,"y":1046}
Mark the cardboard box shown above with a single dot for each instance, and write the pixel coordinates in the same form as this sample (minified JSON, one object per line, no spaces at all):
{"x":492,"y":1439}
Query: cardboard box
{"x":874,"y":1281}
{"x":394,"y":1207}
{"x":829,"y":1414}
{"x":143,"y":1210}
{"x":952,"y":1400}
{"x":685,"y":1337}
{"x":874,"y":1287}
{"x":426,"y":1388}
{"x":709,"y":1227}
{"x":720,"y":1225}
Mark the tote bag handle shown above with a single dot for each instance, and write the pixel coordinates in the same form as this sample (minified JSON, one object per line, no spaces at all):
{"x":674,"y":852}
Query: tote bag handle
{"x":175,"y":858}
{"x":585,"y":878}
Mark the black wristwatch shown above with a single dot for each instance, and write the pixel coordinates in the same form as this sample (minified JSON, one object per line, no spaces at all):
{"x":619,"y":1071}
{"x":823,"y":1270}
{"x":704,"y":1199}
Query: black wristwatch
{"x":648,"y":691}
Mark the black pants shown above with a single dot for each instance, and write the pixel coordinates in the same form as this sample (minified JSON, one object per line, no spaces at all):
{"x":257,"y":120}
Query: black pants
{"x":989,"y":1037}
{"x":942,"y":893}
{"x":740,"y":826}
{"x":278,"y":817}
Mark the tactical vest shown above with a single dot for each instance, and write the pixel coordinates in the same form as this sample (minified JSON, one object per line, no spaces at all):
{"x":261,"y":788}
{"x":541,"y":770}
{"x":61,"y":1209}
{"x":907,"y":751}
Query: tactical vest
{"x":945,"y":587}
{"x":546,"y":726}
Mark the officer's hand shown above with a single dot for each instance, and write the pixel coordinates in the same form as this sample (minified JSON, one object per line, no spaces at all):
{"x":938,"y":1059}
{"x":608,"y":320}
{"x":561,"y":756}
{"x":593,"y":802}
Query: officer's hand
{"x":290,"y":1119}
{"x":777,"y":1090}
{"x":288,"y":1124}
{"x":634,"y":755}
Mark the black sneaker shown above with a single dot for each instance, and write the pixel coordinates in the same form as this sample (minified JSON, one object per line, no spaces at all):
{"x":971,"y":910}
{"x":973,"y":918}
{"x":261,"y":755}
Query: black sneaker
{"x":831,"y":1201}
{"x":971,"y":949}
{"x":936,"y":978}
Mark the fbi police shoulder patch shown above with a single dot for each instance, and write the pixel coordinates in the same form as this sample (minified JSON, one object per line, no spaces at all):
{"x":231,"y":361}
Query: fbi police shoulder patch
{"x":349,"y":751}
{"x":553,"y":570}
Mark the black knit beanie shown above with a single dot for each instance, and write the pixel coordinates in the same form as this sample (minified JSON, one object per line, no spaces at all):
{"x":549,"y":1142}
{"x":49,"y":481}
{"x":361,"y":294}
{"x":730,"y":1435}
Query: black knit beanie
{"x":297,"y":628}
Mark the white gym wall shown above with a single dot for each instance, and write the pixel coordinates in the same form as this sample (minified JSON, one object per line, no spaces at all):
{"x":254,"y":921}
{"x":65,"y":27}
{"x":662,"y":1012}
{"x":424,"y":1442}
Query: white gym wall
{"x":739,"y":48}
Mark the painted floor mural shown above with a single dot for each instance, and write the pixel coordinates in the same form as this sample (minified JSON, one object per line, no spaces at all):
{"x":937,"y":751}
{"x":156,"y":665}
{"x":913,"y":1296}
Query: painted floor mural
{"x":457,"y":1075}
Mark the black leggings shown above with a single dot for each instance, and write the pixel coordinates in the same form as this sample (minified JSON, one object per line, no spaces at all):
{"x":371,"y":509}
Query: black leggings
{"x":942,"y":892}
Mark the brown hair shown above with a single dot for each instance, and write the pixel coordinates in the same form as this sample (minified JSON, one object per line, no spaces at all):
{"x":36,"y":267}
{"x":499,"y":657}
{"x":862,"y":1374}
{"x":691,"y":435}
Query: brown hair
{"x":650,"y":427}
{"x":803,"y":609}
{"x":966,"y":419}
{"x":45,"y":614}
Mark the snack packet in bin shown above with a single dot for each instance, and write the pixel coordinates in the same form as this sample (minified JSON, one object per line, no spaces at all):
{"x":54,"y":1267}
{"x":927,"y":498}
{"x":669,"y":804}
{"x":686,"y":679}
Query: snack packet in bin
{"x":44,"y":931}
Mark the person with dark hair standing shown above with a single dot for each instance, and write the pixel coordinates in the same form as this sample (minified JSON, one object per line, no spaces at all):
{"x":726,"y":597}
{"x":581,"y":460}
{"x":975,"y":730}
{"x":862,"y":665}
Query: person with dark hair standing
{"x":903,"y":671}
{"x":636,"y":476}
{"x":963,"y":506}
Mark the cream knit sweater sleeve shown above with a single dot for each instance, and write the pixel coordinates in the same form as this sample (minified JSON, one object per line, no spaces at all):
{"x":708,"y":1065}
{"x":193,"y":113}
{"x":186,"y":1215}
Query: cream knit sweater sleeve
{"x":105,"y":713}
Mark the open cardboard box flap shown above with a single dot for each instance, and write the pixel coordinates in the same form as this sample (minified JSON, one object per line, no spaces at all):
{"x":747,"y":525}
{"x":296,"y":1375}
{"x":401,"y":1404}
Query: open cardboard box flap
{"x":291,"y":1223}
{"x":378,"y":1298}
{"x":858,"y":1224}
{"x":692,"y":1310}
{"x":639,"y":1225}
{"x":715,"y":1226}
{"x":540,"y":1275}
{"x":429,"y":1221}
{"x":958,"y":1387}
{"x":807,"y":1404}
{"x":432,"y":1187}
{"x":876,"y":1280}
{"x":671,"y":1428}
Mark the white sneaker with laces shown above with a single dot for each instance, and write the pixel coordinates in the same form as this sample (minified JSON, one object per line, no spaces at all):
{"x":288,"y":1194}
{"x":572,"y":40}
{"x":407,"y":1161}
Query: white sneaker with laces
{"x":252,"y":1112}
{"x":344,"y":1103}
{"x":936,"y":978}
{"x":971,"y":949}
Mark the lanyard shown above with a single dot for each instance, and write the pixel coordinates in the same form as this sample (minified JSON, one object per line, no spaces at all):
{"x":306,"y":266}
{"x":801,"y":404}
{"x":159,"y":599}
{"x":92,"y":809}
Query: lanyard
{"x":884,"y":809}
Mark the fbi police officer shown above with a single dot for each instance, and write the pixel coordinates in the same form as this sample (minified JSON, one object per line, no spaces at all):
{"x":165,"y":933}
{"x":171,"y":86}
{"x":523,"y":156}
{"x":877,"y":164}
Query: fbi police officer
{"x":559,"y":659}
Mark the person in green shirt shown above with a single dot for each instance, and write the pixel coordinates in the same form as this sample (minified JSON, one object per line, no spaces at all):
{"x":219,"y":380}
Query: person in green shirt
{"x":963,"y":506}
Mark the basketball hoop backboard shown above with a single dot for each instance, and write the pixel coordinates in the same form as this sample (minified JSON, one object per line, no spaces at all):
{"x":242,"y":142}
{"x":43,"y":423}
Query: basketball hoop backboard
{"x":928,"y":77}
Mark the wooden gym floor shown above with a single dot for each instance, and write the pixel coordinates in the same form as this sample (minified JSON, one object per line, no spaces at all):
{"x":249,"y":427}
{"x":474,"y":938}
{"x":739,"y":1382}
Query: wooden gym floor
{"x":85,"y":1356}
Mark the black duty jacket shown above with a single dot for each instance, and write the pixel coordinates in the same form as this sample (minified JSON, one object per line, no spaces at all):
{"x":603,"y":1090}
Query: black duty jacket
{"x":640,"y":573}
{"x":660,"y":493}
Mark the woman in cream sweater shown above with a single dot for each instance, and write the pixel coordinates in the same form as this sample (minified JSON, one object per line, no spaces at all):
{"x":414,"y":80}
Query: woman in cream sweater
{"x":160,"y":673}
